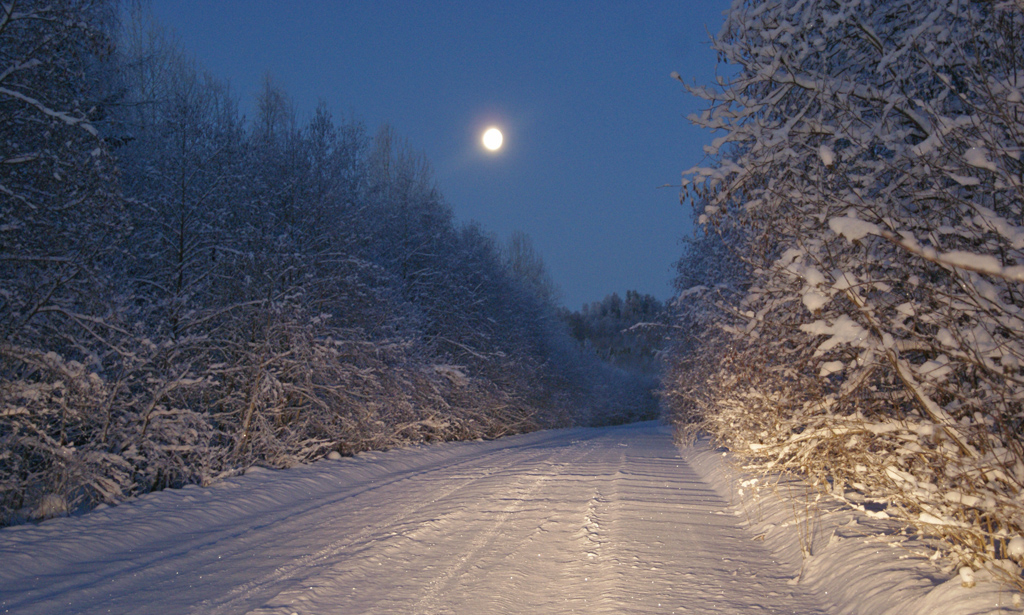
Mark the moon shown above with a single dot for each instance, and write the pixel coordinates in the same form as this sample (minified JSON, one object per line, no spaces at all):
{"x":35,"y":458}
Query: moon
{"x":492,"y":139}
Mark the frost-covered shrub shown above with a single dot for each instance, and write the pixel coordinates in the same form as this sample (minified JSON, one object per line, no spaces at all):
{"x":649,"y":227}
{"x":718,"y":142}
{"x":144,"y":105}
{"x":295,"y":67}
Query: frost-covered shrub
{"x":295,"y":389}
{"x":68,"y":434}
{"x":868,"y":176}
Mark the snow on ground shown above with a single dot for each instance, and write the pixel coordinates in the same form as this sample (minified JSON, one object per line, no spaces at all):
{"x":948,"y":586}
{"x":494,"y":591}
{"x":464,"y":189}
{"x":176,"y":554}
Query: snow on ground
{"x":613,"y":520}
{"x":857,"y":562}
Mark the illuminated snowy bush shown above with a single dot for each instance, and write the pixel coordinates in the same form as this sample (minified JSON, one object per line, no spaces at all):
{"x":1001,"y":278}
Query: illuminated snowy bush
{"x":866,"y":178}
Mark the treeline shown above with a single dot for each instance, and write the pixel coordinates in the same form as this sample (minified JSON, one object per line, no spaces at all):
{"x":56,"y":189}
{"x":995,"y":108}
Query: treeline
{"x":853,"y":309}
{"x":626,"y":333}
{"x":185,"y":293}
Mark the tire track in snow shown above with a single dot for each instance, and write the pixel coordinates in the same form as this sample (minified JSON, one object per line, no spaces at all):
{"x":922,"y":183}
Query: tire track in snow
{"x":677,"y":547}
{"x":367,"y":528}
{"x":467,"y":542}
{"x":161,"y":546}
{"x":594,"y":521}
{"x":516,"y":500}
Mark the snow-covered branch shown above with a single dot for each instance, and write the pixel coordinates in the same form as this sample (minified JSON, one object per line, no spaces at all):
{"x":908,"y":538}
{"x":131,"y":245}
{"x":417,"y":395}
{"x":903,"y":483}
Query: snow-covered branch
{"x":866,"y":178}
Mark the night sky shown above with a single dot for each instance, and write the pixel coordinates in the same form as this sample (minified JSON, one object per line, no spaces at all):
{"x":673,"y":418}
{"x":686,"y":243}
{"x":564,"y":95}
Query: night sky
{"x":593,"y":123}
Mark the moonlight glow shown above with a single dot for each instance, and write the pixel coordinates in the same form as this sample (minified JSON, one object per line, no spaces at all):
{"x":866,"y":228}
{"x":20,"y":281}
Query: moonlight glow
{"x":492,"y":139}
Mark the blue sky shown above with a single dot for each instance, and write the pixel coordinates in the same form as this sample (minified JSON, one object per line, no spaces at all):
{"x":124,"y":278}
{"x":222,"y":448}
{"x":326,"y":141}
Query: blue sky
{"x":593,"y":123}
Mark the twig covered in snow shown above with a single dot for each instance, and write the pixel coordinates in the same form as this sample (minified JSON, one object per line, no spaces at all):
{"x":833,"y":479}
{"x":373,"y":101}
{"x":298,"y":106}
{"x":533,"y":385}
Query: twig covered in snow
{"x":867,"y":188}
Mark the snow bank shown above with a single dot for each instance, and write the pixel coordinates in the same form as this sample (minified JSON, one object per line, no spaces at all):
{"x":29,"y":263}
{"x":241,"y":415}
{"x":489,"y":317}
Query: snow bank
{"x":859,"y":564}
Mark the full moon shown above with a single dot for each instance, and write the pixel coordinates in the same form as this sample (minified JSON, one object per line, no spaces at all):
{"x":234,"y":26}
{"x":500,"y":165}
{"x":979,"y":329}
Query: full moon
{"x":492,"y":139}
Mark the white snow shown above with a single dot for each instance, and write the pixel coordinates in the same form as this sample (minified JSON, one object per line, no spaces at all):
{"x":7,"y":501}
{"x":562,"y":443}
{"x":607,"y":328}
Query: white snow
{"x":830,"y":367}
{"x":1016,"y":548}
{"x":843,"y":331}
{"x":925,"y":147}
{"x":852,"y":228}
{"x":968,"y":260}
{"x":978,"y":157}
{"x":814,"y":300}
{"x":858,"y":562}
{"x":935,"y":369}
{"x":51,"y":505}
{"x":812,"y":275}
{"x":967,"y":578}
{"x":828,"y":157}
{"x":613,"y":520}
{"x":982,"y":263}
{"x":964,"y":180}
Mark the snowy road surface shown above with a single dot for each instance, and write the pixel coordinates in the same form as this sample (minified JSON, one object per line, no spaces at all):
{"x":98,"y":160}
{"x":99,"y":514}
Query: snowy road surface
{"x":570,"y":521}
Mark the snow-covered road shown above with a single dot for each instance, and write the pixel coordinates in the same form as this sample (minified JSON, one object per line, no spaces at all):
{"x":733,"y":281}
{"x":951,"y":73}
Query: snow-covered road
{"x":583,"y":520}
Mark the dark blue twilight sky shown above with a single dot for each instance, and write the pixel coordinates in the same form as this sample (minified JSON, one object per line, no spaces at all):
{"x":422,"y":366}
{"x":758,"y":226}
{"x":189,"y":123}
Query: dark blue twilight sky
{"x":593,"y":123}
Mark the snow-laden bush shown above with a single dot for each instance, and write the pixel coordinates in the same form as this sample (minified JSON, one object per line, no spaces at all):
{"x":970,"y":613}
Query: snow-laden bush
{"x":295,"y":389}
{"x":70,"y":435}
{"x":866,"y":177}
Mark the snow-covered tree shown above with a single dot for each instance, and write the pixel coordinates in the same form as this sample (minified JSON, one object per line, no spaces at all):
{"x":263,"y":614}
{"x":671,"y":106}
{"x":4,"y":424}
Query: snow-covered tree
{"x":627,"y":333}
{"x":60,"y":210}
{"x":526,"y":265}
{"x":61,"y":219}
{"x":866,"y":171}
{"x":184,"y":294}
